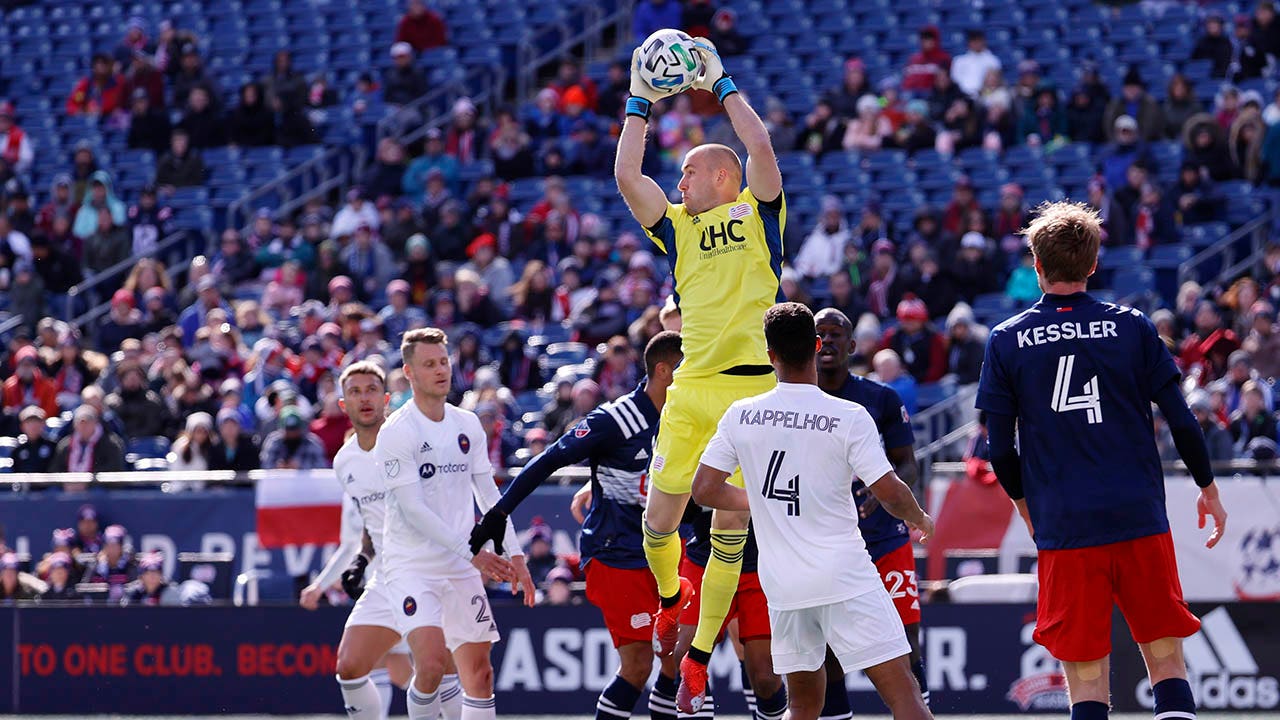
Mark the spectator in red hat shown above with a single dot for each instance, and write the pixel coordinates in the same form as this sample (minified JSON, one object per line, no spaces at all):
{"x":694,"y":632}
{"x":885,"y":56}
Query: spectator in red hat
{"x":15,"y":147}
{"x":494,"y":270}
{"x":924,"y":64}
{"x":421,"y":27}
{"x":729,"y":41}
{"x":28,"y":385}
{"x":121,"y":322}
{"x":569,"y":76}
{"x":843,"y":99}
{"x":98,"y":94}
{"x":923,"y":349}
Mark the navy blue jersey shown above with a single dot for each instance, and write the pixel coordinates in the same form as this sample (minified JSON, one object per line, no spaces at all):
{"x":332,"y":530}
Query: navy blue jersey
{"x":1079,"y":376}
{"x":698,"y":548}
{"x":616,"y":439}
{"x":883,"y":532}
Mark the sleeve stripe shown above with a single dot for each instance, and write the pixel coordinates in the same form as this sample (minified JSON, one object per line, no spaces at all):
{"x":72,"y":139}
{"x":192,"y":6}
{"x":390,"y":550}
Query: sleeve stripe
{"x":624,"y":424}
{"x":628,"y":407}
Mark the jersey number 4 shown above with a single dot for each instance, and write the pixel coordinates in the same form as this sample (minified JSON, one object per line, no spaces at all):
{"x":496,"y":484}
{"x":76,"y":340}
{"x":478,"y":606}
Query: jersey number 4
{"x":788,"y":493}
{"x":1064,"y":401}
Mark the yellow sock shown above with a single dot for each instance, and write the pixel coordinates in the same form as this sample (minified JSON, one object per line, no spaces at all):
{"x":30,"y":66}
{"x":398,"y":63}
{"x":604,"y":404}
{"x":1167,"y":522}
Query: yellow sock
{"x":662,"y":550}
{"x":719,"y":584}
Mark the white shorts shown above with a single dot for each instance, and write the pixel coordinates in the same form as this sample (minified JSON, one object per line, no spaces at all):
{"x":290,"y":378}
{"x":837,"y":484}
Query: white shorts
{"x":459,"y":606}
{"x":862,"y":631}
{"x":374,"y":607}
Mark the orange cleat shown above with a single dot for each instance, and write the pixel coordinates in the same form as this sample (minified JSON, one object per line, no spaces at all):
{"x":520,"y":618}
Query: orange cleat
{"x":693,"y":686}
{"x":666,"y":623}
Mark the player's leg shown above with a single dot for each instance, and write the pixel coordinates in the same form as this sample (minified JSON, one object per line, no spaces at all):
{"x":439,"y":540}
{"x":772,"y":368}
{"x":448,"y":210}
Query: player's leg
{"x":450,"y":691}
{"x":470,"y":631}
{"x":750,"y":612}
{"x":427,"y":644}
{"x":719,"y":584}
{"x":626,"y":598}
{"x":1150,"y":597}
{"x":1073,"y":622}
{"x":748,"y":694}
{"x":865,"y":633}
{"x":662,"y":697}
{"x":475,"y":671}
{"x":835,"y":705}
{"x":618,"y":699}
{"x":666,"y":688}
{"x":359,"y":651}
{"x":395,"y":669}
{"x":897,"y":686}
{"x":807,"y":691}
{"x":898,"y":572}
{"x":797,"y":650}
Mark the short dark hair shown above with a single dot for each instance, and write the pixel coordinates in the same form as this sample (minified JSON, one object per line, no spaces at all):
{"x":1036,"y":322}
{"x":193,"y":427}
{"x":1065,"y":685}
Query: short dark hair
{"x":364,"y":367}
{"x":789,"y":332}
{"x":663,"y":347}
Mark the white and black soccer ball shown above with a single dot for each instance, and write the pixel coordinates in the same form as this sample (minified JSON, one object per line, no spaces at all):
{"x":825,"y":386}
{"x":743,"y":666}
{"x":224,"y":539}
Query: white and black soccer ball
{"x":668,"y":62}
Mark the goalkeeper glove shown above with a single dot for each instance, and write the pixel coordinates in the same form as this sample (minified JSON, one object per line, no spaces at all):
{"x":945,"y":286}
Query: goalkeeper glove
{"x":713,"y":78}
{"x":642,"y":96}
{"x":353,"y":577}
{"x":493,"y":526}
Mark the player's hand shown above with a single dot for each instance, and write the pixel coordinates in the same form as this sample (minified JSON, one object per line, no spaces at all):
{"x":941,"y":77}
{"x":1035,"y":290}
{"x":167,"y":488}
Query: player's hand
{"x":1210,"y":504}
{"x":353,"y":577}
{"x":580,"y":503}
{"x":310,"y":597}
{"x":494,"y":567}
{"x":713,"y":69}
{"x":640,"y":88}
{"x":493,"y":526}
{"x":924,"y":526}
{"x":867,"y":502}
{"x":524,"y":581}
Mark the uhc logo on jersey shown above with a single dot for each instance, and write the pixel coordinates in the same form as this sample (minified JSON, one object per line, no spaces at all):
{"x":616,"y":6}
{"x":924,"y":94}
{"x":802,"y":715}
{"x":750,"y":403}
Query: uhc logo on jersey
{"x":426,"y":471}
{"x":582,"y":429}
{"x":464,"y":443}
{"x":722,"y":237}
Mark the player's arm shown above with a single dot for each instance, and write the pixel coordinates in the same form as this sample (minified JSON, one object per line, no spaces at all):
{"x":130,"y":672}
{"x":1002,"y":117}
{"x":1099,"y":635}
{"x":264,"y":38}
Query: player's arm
{"x":646,"y":200}
{"x":719,"y":460}
{"x":763,"y":176}
{"x":366,"y":545}
{"x":867,"y":460}
{"x":350,"y":529}
{"x":486,"y":495}
{"x":1001,"y":431}
{"x":901,"y":503}
{"x":1188,"y":438}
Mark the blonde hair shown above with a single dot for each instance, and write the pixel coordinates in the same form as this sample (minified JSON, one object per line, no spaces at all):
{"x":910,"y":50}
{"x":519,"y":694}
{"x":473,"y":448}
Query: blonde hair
{"x":430,"y":336}
{"x":1065,"y":237}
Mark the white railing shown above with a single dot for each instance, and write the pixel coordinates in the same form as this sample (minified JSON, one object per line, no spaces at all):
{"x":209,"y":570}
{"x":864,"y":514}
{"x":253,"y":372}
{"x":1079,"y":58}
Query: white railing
{"x":1225,"y":250}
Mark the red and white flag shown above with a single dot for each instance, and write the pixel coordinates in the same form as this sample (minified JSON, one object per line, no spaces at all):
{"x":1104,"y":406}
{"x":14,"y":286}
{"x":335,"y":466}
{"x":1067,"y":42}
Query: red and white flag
{"x":298,"y":508}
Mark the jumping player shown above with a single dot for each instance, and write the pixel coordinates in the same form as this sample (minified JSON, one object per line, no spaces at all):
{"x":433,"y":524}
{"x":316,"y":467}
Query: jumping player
{"x":1075,"y":378}
{"x":797,"y":448}
{"x":435,"y":469}
{"x":616,"y":439}
{"x":887,"y":538}
{"x":371,"y":650}
{"x":724,"y":244}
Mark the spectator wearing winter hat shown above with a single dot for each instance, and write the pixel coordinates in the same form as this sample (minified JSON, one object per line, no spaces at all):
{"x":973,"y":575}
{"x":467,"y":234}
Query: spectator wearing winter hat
{"x":494,"y":271}
{"x":869,"y":129}
{"x":293,"y":446}
{"x":584,"y":398}
{"x":61,"y":584}
{"x":87,"y":537}
{"x":972,"y":269}
{"x":1214,"y":45}
{"x":115,"y":565}
{"x":916,"y":131}
{"x":1135,"y":102}
{"x":151,"y":588}
{"x":194,"y":446}
{"x":465,"y":140}
{"x":208,"y":297}
{"x":964,"y":348}
{"x":421,"y":28}
{"x":922,"y":348}
{"x":923,"y":65}
{"x":502,"y":442}
{"x":34,"y":452}
{"x":1251,"y":421}
{"x":822,"y":252}
{"x":539,"y":554}
{"x":28,"y":385}
{"x":358,"y":211}
{"x":14,"y":584}
{"x":89,"y":448}
{"x":558,"y":588}
{"x":399,"y":316}
{"x":236,"y":449}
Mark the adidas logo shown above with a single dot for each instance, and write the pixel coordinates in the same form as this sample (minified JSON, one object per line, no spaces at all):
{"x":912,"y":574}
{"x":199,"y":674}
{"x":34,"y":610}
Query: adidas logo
{"x":1222,"y":670}
{"x":642,"y":455}
{"x":350,"y":478}
{"x":426,"y":447}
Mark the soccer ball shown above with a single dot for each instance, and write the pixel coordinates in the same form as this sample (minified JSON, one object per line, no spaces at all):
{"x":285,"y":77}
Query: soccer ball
{"x":668,"y":62}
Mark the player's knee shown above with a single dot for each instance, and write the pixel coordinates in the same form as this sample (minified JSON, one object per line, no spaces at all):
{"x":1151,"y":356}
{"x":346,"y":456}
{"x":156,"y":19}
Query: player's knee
{"x":801,"y":706}
{"x":350,"y":667}
{"x":477,"y":680}
{"x":635,"y":667}
{"x":763,"y":682}
{"x":427,"y":672}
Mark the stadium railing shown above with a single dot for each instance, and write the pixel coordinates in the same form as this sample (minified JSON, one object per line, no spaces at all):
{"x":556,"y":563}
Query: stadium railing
{"x":86,"y":291}
{"x":1229,"y":252}
{"x":482,"y":85}
{"x":10,"y":324}
{"x":531,"y":63}
{"x":320,"y":175}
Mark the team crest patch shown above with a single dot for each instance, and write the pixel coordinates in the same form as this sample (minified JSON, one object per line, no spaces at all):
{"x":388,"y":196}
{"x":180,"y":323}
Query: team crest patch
{"x":739,"y":211}
{"x":410,"y":605}
{"x":392,"y":467}
{"x":426,"y":471}
{"x":582,"y":429}
{"x":464,"y":443}
{"x":640,"y":620}
{"x":658,"y":462}
{"x":905,"y":416}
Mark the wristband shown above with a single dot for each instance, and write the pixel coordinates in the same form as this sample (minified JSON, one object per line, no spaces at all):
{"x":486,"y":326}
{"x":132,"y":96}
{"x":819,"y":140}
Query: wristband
{"x":724,"y":87}
{"x":639,"y":107}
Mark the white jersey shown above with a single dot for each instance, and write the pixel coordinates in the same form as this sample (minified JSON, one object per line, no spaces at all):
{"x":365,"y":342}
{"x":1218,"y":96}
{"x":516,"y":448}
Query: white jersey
{"x":450,"y":459}
{"x":799,"y":449}
{"x":364,"y":504}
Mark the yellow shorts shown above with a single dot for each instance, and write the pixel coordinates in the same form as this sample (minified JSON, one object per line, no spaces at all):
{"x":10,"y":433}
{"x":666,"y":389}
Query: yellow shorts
{"x":689,"y":419}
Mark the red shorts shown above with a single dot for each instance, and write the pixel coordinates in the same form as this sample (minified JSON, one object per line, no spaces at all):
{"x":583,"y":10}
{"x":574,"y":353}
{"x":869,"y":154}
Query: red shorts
{"x":749,"y":605}
{"x":1078,"y":588}
{"x":626,"y":598}
{"x":898,"y":572}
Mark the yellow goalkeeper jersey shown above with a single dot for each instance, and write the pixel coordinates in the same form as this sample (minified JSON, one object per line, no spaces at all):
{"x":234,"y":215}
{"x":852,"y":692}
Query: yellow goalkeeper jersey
{"x":726,"y":264}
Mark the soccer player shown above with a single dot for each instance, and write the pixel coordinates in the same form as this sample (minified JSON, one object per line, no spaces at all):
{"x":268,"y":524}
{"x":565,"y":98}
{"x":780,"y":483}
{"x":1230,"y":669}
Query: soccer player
{"x":1075,"y":378}
{"x":797,"y":448}
{"x":724,"y":244}
{"x":616,"y":439}
{"x":435,"y":469}
{"x":371,"y":654}
{"x":886,"y":536}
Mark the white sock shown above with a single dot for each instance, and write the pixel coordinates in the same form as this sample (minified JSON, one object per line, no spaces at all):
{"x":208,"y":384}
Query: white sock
{"x":361,"y":700}
{"x":450,"y":697}
{"x":423,"y":707}
{"x":478,"y":708}
{"x":382,"y":680}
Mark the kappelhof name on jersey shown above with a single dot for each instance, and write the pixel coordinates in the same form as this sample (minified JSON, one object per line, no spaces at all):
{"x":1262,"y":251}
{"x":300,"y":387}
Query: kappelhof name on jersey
{"x":792,"y":419}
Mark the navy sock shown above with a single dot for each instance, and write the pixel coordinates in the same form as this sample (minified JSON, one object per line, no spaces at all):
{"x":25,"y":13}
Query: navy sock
{"x":1089,"y":710}
{"x":836,"y":704}
{"x":748,"y":692}
{"x":772,"y":708}
{"x":917,"y":669}
{"x":1174,"y":700}
{"x":662,"y":698}
{"x":617,"y":700}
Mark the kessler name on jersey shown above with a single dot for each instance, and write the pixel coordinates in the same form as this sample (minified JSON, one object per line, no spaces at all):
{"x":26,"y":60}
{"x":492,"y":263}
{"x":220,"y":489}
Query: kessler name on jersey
{"x":1043,"y":334}
{"x":790,"y":419}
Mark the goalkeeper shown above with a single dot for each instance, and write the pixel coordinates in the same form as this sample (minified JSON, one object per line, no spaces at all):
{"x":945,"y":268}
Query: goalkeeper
{"x":724,"y":245}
